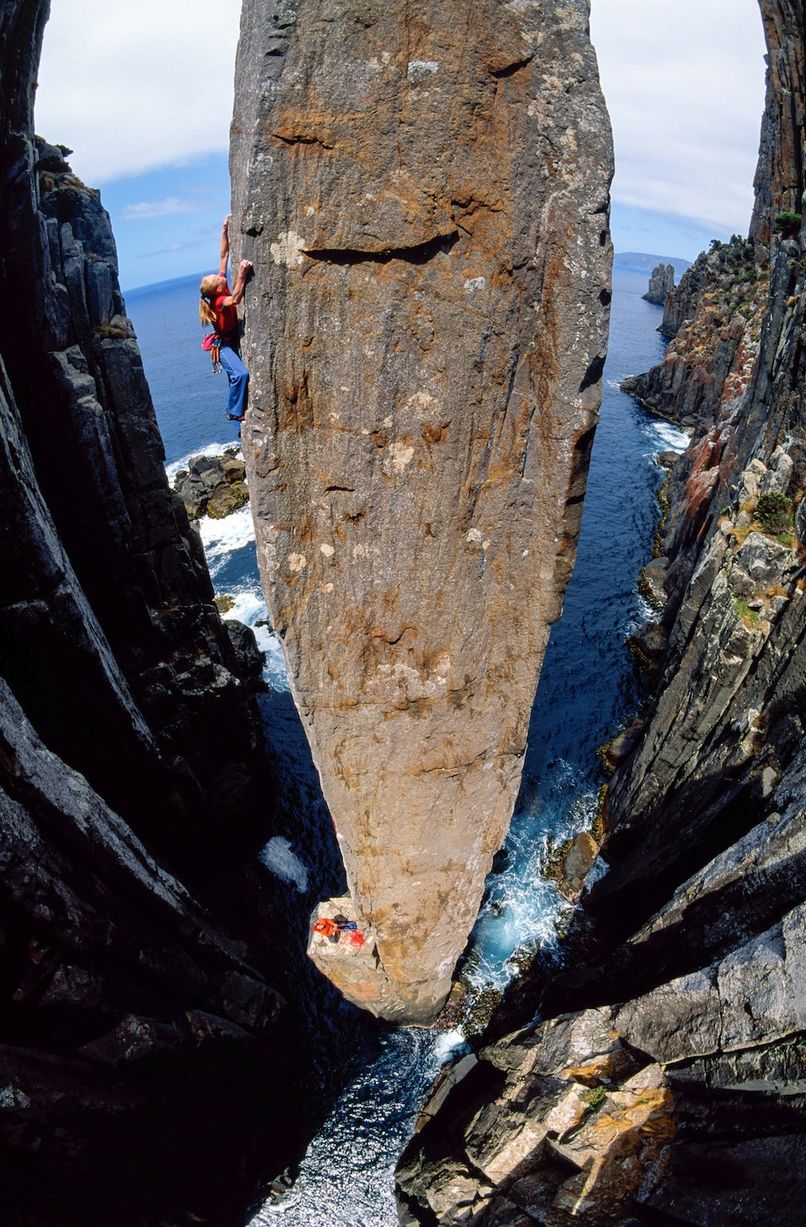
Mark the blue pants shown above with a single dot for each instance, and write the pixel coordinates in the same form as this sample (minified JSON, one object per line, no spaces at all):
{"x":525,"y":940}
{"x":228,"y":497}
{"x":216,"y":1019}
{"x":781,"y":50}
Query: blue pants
{"x":238,"y":379}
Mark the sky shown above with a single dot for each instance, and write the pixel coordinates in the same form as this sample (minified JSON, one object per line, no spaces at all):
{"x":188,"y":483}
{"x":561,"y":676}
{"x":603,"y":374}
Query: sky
{"x":142,"y":94}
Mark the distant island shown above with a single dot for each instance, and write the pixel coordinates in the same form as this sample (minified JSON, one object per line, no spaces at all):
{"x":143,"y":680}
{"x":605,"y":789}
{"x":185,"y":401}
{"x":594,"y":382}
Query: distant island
{"x":643,"y":262}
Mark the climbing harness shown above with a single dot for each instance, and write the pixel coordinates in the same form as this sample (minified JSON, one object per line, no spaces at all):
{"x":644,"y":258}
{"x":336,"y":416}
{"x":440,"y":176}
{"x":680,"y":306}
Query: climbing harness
{"x":212,"y":345}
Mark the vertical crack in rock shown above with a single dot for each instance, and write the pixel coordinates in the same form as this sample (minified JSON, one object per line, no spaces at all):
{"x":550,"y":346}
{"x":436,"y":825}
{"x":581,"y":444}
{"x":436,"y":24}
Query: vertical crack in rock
{"x":423,"y":190}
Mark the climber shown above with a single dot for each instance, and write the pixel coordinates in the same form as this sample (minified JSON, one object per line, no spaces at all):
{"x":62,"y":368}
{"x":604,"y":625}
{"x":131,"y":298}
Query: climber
{"x":218,"y":307}
{"x":337,"y":927}
{"x":328,"y":928}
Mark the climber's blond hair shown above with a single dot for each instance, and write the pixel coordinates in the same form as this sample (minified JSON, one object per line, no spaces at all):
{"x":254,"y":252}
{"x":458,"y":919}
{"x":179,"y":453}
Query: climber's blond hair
{"x":208,"y":290}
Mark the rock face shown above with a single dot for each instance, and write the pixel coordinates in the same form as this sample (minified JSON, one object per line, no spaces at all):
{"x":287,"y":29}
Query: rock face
{"x":714,"y":317}
{"x":681,"y":1006}
{"x":137,"y":970}
{"x":726,"y":724}
{"x":424,"y":192}
{"x":119,"y":988}
{"x":661,"y":283}
{"x":144,"y":671}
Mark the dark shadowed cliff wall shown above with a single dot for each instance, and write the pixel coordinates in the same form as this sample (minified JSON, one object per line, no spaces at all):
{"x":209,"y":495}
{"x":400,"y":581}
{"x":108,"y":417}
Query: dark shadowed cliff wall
{"x":667,"y":1082}
{"x":135,"y":679}
{"x":148,"y":1063}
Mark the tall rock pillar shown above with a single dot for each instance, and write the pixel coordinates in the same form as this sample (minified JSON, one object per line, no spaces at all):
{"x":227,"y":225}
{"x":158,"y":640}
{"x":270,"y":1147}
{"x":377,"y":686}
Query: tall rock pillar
{"x":424,"y":191}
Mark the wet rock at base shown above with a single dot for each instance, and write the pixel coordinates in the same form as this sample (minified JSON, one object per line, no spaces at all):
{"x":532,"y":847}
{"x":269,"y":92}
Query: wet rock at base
{"x":622,"y":745}
{"x":649,"y":644}
{"x":576,"y":865}
{"x":250,"y":657}
{"x":212,"y":485}
{"x":652,"y":580}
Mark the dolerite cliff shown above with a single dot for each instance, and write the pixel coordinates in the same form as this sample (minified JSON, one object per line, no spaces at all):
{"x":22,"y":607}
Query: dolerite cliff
{"x":714,"y":318}
{"x":666,"y":1082}
{"x":424,"y":192}
{"x":129,"y":755}
{"x":661,"y":283}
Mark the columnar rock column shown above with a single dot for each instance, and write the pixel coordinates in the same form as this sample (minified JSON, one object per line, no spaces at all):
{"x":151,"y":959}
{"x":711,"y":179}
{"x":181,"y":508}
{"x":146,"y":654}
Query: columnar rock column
{"x":424,"y":192}
{"x":661,"y":283}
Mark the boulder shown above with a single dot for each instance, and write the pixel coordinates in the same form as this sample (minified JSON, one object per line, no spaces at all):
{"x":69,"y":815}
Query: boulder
{"x":212,"y":485}
{"x":248,"y":655}
{"x":576,"y":865}
{"x":652,"y":579}
{"x":649,"y":643}
{"x":227,"y":498}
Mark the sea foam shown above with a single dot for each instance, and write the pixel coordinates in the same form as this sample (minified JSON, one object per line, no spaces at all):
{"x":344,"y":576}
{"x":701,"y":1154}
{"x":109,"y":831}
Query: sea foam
{"x":671,"y":436}
{"x":282,"y":861}
{"x":222,"y":537}
{"x":208,"y":449}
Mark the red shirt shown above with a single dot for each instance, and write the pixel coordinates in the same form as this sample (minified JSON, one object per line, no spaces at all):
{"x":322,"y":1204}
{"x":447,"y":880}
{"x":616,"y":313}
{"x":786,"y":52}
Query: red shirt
{"x":226,"y":316}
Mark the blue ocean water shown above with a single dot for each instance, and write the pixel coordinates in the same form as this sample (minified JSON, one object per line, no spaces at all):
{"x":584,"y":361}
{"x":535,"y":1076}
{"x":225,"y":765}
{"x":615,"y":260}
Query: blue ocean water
{"x":586,"y":693}
{"x":587,"y":688}
{"x":190,"y":403}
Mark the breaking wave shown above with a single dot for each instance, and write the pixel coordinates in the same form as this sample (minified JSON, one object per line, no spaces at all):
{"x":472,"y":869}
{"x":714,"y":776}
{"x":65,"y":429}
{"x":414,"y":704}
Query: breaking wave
{"x":207,"y":449}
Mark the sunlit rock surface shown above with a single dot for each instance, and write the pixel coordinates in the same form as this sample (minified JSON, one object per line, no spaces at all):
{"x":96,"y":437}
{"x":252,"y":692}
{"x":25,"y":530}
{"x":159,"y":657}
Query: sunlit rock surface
{"x":424,"y":192}
{"x":661,"y":281}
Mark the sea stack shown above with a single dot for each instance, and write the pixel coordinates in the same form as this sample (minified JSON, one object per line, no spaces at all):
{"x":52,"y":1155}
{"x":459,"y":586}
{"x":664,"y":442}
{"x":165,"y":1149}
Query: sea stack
{"x":424,"y":192}
{"x":661,"y":283}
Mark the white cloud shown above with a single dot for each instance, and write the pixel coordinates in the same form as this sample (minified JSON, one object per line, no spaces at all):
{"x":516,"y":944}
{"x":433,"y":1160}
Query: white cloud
{"x":684,"y":84}
{"x":132,"y":86}
{"x":156,"y":208}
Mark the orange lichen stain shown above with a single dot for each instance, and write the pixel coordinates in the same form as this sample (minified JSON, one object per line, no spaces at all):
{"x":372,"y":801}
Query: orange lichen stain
{"x":614,"y":1149}
{"x":303,"y":532}
{"x":431,"y":433}
{"x":307,"y":126}
{"x":603,"y":1068}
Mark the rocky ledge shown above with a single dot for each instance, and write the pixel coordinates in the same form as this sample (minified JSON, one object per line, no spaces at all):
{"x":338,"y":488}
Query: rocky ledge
{"x":213,"y":485}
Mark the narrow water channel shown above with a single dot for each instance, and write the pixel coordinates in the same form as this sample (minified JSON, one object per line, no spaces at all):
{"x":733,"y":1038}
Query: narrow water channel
{"x":586,"y":693}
